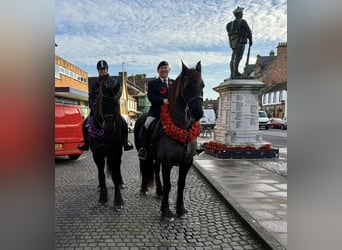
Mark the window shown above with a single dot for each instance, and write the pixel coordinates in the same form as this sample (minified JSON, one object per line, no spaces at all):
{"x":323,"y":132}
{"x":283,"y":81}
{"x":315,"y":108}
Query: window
{"x":57,"y":71}
{"x":275,"y":97}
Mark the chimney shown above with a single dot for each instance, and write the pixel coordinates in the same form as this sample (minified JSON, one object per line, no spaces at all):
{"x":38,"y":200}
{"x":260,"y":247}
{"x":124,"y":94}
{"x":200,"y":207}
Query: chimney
{"x":271,"y":53}
{"x":282,"y":49}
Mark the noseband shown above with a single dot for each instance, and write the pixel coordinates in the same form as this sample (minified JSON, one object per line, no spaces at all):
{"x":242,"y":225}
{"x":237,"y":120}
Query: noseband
{"x":187,"y":109}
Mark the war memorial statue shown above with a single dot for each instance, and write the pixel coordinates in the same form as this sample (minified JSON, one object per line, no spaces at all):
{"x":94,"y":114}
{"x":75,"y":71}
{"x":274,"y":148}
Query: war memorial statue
{"x":238,"y":33}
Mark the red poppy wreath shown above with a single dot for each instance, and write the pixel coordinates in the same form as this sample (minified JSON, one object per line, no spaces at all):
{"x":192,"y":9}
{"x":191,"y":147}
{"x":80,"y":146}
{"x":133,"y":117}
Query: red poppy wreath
{"x":173,"y":131}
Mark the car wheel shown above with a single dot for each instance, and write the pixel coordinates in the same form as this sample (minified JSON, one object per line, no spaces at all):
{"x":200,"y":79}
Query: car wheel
{"x":74,"y":157}
{"x":282,"y":127}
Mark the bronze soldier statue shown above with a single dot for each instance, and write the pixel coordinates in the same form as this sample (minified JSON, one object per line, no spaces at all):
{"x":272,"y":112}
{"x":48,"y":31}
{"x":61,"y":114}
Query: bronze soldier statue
{"x":238,"y":33}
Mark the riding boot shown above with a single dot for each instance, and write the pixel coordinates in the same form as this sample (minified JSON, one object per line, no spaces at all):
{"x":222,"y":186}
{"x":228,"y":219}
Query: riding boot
{"x":142,"y":153}
{"x":85,"y":146}
{"x":127,"y":144}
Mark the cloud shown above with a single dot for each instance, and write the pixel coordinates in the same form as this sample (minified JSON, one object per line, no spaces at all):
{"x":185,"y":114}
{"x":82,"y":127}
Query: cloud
{"x":149,"y":31}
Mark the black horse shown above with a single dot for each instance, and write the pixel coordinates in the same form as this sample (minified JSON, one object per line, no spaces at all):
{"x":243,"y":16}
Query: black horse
{"x":106,"y":140}
{"x":173,"y":137}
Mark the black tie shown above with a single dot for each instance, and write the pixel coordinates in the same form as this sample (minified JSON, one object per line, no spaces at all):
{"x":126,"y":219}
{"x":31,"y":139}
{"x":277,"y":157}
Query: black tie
{"x":165,"y":83}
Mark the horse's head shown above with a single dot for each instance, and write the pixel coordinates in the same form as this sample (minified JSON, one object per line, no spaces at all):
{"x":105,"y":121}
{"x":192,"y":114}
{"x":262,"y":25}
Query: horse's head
{"x":107,"y":101}
{"x":189,"y":87}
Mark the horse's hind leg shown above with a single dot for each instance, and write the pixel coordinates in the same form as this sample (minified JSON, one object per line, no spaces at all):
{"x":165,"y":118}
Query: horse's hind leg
{"x":167,"y":214}
{"x":146,"y":170}
{"x":100,"y":163}
{"x":180,"y":209}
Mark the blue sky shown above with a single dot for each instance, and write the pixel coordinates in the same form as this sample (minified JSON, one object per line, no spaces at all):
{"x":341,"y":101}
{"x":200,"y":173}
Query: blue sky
{"x":150,"y":31}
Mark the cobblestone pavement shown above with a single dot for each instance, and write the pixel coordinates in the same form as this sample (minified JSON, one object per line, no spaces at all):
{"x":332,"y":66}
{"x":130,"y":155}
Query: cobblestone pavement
{"x":81,"y":223}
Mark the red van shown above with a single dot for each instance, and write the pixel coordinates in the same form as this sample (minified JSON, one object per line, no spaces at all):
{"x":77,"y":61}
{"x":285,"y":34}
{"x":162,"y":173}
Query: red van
{"x":68,"y":130}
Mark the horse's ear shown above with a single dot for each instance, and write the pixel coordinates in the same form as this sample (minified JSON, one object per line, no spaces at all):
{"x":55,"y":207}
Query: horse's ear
{"x":199,"y":67}
{"x":184,"y":68}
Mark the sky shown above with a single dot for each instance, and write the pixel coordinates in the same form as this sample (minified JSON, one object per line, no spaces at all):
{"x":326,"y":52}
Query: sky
{"x":140,"y":34}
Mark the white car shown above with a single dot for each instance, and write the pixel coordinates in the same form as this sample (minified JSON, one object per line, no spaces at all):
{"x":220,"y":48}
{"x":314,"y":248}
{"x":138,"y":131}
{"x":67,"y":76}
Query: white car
{"x":209,"y":119}
{"x":264,"y":121}
{"x":284,"y":125}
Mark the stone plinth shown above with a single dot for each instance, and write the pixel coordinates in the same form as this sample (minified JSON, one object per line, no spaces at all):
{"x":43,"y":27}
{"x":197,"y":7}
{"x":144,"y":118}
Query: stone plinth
{"x":238,"y":117}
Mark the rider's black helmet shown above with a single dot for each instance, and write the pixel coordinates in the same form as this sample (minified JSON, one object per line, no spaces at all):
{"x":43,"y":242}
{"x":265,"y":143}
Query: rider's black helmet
{"x":102,"y":64}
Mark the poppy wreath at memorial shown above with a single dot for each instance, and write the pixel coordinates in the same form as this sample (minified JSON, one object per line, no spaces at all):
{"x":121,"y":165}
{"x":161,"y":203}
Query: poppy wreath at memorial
{"x":225,"y":151}
{"x":175,"y":132}
{"x":219,"y":146}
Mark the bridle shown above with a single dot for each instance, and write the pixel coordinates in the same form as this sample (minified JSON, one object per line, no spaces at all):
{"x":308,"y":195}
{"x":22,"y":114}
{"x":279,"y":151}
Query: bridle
{"x":100,"y":110}
{"x":187,"y":103}
{"x":187,"y":109}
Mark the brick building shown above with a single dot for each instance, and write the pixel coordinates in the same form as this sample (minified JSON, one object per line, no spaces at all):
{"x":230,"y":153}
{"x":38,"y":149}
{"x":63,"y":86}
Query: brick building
{"x":272,"y":69}
{"x":71,"y":84}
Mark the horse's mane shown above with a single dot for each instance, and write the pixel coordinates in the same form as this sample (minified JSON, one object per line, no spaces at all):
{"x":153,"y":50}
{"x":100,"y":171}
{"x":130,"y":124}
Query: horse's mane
{"x":181,"y":82}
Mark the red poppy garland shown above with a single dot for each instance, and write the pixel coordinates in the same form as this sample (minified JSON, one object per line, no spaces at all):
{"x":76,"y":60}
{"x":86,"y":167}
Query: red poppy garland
{"x":173,"y":131}
{"x":219,"y":146}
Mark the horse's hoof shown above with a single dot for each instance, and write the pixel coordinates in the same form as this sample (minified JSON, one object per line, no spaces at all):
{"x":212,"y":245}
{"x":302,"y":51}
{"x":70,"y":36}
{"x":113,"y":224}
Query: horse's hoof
{"x":168,"y":219}
{"x":103,"y":201}
{"x":103,"y":197}
{"x":118,"y":208}
{"x":143,"y":192}
{"x":167,"y":216}
{"x":182,"y":213}
{"x":182,"y":216}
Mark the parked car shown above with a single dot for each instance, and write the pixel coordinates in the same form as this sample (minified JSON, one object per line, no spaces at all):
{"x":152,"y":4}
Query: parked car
{"x":208,"y":121}
{"x":68,"y":130}
{"x":276,"y":123}
{"x":284,"y":126}
{"x":264,"y":122}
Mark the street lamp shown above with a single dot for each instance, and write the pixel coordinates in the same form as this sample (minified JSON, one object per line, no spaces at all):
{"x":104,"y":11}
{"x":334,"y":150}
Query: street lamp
{"x":123,"y":68}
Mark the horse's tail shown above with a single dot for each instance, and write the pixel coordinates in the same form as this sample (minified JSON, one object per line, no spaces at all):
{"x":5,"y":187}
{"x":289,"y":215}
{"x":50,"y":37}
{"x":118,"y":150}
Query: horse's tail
{"x":146,"y":166}
{"x":147,"y":172}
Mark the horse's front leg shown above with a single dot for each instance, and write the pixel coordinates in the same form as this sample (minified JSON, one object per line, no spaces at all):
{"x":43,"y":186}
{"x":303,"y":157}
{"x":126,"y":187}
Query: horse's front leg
{"x":114,"y":163}
{"x":180,"y":209}
{"x":166,"y":213}
{"x":99,"y":160}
